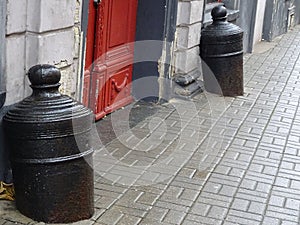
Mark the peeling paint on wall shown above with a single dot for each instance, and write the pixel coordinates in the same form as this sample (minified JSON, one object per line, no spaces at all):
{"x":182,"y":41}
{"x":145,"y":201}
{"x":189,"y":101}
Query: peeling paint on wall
{"x":165,"y":83}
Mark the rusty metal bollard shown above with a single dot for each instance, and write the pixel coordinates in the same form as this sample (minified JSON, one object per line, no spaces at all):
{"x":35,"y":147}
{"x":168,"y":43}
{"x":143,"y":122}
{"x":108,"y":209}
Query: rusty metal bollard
{"x":49,"y":141}
{"x":221,"y":49}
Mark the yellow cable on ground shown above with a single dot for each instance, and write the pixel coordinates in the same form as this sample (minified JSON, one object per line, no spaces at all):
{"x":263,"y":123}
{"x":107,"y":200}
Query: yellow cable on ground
{"x":7,"y":191}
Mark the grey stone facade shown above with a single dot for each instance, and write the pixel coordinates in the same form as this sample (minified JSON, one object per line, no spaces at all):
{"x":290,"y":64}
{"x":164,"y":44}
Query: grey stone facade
{"x":35,"y":32}
{"x":186,"y":52}
{"x":55,"y":38}
{"x":40,"y":31}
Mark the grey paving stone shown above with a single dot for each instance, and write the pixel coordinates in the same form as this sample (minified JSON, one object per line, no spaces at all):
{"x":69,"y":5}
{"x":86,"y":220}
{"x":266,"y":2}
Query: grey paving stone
{"x":282,"y":216}
{"x":263,"y":187}
{"x":157,"y":214}
{"x":252,"y":196}
{"x":177,"y":201}
{"x":187,"y":172}
{"x":104,"y":202}
{"x":203,"y":220}
{"x":221,"y":169}
{"x":237,"y":172}
{"x":269,"y":170}
{"x":129,"y":220}
{"x":248,"y":184}
{"x":227,"y":190}
{"x":212,"y":187}
{"x":224,"y":179}
{"x":292,"y":212}
{"x":210,"y":201}
{"x":245,"y":215}
{"x":111,"y":217}
{"x":257,"y":208}
{"x":200,"y":209}
{"x":240,"y":204}
{"x":265,"y":161}
{"x":169,"y":205}
{"x":147,"y":198}
{"x":268,"y":220}
{"x":292,"y":204}
{"x":189,"y":194}
{"x":174,"y":217}
{"x":241,"y":220}
{"x":217,"y":212}
{"x":259,"y":177}
{"x":282,"y":182}
{"x":83,"y":222}
{"x":277,"y":201}
{"x":255,"y":167}
{"x":189,"y":222}
{"x":289,"y":223}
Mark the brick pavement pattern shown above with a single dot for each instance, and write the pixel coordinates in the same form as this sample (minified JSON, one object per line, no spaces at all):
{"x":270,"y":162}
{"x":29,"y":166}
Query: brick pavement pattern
{"x":212,"y":160}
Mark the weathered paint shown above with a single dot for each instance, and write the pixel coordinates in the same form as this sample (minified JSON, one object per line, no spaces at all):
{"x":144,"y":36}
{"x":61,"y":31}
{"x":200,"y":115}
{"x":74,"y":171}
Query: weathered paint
{"x":150,"y":26}
{"x":156,"y":20}
{"x":276,"y":18}
{"x":246,"y":21}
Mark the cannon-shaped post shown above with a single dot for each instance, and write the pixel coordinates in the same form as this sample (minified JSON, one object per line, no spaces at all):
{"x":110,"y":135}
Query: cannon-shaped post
{"x":221,"y":49}
{"x":48,"y":137}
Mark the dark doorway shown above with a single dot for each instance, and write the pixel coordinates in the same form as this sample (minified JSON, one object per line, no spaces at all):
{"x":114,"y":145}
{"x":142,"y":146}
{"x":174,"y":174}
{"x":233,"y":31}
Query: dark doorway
{"x":155,"y":30}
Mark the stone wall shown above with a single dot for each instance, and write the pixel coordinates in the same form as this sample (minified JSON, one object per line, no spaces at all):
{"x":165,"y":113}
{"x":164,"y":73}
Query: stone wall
{"x":41,"y":31}
{"x":188,"y":32}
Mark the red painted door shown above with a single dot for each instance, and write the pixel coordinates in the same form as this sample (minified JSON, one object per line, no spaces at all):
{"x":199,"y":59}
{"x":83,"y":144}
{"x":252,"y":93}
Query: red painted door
{"x":109,"y":55}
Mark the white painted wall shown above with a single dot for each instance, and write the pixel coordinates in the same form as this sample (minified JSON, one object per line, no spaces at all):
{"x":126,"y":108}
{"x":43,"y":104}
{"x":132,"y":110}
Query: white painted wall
{"x":259,"y":21}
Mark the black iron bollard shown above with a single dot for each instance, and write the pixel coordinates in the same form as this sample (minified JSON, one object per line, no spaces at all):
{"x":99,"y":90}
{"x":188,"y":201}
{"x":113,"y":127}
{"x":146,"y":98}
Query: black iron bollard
{"x":49,"y":141}
{"x":221,"y":49}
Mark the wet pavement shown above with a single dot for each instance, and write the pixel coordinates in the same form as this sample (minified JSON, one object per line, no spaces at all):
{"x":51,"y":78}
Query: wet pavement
{"x":212,"y":160}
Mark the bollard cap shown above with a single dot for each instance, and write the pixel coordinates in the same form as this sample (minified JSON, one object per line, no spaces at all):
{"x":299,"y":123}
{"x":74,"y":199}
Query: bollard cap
{"x":219,"y":13}
{"x":44,"y":75}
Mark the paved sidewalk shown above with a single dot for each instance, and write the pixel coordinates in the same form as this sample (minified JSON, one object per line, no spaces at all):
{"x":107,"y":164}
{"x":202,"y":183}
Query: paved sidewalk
{"x":212,"y":160}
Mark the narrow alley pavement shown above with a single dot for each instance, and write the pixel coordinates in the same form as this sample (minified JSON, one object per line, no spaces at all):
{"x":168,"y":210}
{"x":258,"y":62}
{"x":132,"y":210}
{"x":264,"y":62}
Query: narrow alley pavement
{"x":211,"y":160}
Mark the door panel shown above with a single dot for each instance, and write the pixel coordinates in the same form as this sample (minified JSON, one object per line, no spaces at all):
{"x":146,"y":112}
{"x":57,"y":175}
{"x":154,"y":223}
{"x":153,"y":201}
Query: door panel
{"x":120,"y":32}
{"x":118,"y":23}
{"x":113,"y":56}
{"x":119,"y":89}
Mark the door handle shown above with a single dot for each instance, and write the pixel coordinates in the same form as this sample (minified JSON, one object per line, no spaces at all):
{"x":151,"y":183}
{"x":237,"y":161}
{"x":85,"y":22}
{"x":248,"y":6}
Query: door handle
{"x":97,"y":2}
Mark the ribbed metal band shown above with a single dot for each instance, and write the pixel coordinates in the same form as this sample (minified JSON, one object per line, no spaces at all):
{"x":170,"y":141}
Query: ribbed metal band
{"x":54,"y":160}
{"x":223,"y":55}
